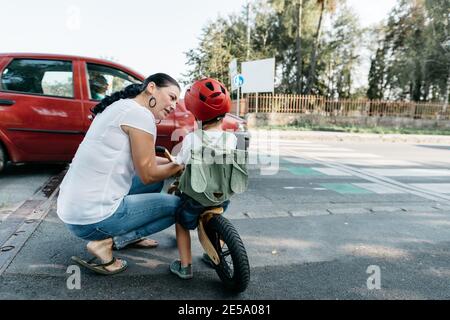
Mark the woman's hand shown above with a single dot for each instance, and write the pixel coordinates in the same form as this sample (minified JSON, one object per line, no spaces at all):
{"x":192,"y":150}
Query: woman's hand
{"x":180,"y":172}
{"x":162,"y":160}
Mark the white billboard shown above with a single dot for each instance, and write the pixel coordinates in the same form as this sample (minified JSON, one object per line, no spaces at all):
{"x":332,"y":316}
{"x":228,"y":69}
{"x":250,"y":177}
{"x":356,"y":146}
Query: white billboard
{"x":259,"y":76}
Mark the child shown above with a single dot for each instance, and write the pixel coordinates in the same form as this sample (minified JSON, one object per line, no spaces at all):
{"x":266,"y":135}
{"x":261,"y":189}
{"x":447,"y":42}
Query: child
{"x":209,"y":101}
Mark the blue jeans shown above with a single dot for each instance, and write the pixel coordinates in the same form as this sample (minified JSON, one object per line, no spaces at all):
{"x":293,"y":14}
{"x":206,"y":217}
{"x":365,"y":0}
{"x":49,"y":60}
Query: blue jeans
{"x":190,"y":210}
{"x":144,"y":211}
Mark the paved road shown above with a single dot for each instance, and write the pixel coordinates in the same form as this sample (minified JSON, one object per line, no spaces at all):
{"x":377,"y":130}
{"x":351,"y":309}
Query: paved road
{"x":316,"y":225}
{"x":19,"y":183}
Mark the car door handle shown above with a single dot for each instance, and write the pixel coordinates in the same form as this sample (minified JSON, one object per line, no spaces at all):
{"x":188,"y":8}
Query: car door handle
{"x":4,"y":102}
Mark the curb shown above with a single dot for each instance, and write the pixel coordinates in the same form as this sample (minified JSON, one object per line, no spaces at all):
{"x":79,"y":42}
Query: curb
{"x":26,"y":219}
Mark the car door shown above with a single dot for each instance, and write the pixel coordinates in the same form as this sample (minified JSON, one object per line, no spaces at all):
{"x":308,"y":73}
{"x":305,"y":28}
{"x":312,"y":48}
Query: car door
{"x":101,"y":80}
{"x":45,"y":122}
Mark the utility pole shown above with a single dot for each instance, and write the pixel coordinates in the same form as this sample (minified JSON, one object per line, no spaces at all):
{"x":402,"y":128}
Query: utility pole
{"x":248,"y":43}
{"x":299,"y":46}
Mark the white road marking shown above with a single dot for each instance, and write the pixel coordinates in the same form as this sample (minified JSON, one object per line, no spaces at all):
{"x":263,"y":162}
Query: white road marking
{"x":376,"y":178}
{"x":304,"y":145}
{"x":319,"y":149}
{"x":350,"y":155}
{"x":298,"y":160}
{"x":443,"y":188}
{"x":332,"y":171}
{"x":379,"y":188}
{"x":376,"y":162}
{"x":409,"y":172}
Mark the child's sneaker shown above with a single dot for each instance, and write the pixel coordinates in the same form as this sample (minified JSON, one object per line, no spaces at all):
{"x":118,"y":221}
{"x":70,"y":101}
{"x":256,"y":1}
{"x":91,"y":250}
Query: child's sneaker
{"x":182,"y":272}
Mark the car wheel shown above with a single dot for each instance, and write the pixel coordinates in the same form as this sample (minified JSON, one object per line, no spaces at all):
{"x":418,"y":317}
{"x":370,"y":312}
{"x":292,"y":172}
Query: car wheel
{"x":2,"y":158}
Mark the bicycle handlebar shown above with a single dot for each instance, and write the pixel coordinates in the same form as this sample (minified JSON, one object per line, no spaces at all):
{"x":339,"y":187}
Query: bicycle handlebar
{"x":165,"y":152}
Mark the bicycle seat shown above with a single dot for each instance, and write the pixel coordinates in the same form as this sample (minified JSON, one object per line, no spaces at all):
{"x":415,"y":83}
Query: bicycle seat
{"x":214,"y":210}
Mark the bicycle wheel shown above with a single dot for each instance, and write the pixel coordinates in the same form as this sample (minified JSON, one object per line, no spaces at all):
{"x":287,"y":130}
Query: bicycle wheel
{"x":233,"y":268}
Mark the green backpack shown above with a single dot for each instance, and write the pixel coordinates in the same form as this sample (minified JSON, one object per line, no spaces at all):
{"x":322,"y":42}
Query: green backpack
{"x":214,"y":174}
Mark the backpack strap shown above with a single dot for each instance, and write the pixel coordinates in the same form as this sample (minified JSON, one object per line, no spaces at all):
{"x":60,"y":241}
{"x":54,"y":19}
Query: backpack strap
{"x":198,"y":178}
{"x":239,"y":174}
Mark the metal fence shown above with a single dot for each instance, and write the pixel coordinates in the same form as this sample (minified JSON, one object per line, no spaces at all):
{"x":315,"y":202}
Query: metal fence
{"x":300,"y":104}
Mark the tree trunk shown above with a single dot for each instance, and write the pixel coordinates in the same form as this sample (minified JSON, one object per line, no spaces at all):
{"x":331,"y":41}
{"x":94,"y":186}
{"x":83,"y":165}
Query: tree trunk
{"x":417,"y":88}
{"x":447,"y":92}
{"x":299,"y":47}
{"x":312,"y":67}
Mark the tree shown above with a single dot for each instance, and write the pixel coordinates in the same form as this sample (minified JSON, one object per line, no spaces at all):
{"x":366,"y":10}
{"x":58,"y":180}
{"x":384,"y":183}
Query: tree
{"x":410,"y":62}
{"x":329,"y":5}
{"x":292,"y":11}
{"x":220,"y":42}
{"x":226,"y":38}
{"x":339,"y":58}
{"x":377,"y":75}
{"x":298,"y":26}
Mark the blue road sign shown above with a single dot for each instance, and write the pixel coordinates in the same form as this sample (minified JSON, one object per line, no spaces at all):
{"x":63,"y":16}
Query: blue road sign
{"x":238,"y":80}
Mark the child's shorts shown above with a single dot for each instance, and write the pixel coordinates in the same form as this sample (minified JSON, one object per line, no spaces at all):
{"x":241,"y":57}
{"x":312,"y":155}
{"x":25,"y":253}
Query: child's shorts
{"x":190,"y":210}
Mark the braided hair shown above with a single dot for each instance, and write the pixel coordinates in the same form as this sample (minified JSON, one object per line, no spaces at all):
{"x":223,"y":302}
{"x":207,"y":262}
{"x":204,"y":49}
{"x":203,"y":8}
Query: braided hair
{"x":133,"y":90}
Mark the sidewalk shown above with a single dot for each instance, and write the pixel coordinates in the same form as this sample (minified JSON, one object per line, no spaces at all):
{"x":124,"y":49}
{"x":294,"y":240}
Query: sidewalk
{"x":351,"y":137}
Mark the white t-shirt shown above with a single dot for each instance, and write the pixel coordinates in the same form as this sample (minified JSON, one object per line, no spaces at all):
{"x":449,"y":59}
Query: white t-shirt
{"x":102,"y":170}
{"x":192,"y":141}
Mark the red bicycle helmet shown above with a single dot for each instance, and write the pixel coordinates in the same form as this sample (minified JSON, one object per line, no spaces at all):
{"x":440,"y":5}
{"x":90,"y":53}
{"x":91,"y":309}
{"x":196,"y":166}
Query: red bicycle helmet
{"x":207,"y":99}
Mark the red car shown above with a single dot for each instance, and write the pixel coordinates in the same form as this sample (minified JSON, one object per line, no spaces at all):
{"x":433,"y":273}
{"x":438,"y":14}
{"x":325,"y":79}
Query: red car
{"x":45,"y":103}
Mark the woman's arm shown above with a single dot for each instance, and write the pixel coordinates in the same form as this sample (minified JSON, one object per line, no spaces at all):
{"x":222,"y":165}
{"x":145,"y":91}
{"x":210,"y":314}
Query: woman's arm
{"x":161,"y":160}
{"x":144,"y":157}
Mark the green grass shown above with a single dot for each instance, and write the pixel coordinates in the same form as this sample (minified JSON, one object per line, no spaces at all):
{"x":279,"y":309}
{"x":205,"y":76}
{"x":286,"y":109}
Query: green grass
{"x":354,"y":129}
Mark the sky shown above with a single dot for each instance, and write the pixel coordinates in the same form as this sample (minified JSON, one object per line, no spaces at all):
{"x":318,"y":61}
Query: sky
{"x":147,"y":36}
{"x":371,"y":11}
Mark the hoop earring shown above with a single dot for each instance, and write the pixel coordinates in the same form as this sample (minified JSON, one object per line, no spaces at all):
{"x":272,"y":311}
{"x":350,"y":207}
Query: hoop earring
{"x":152,"y":102}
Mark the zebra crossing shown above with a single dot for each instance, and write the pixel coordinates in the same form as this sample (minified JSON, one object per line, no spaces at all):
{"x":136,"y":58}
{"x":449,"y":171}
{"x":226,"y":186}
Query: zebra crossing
{"x":385,"y":174}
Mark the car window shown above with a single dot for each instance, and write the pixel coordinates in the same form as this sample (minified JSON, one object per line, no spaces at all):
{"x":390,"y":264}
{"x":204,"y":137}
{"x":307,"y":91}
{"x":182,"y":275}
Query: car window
{"x":43,"y":77}
{"x":106,"y":80}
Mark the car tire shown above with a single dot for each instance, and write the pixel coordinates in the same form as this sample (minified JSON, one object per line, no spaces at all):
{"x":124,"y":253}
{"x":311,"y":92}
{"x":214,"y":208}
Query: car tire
{"x":2,"y":158}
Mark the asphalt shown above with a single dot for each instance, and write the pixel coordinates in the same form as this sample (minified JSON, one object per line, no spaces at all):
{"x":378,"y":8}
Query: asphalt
{"x":316,"y":257}
{"x":308,"y":235}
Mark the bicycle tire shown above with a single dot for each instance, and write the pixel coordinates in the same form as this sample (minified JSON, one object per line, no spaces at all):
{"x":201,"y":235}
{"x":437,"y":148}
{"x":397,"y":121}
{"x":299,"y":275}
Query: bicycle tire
{"x":220,"y":228}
